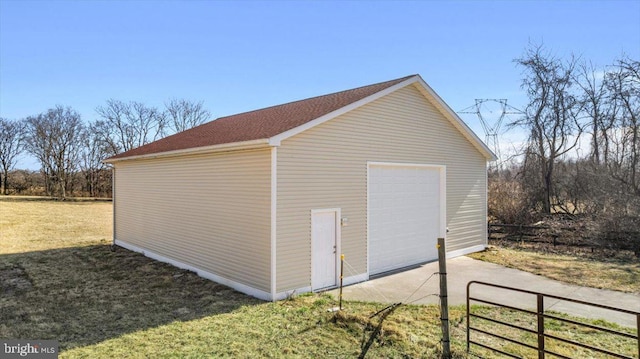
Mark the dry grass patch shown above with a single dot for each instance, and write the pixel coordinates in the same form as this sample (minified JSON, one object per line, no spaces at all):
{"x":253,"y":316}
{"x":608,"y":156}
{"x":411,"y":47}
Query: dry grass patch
{"x":614,"y":273}
{"x":27,"y":224}
{"x":85,"y":295}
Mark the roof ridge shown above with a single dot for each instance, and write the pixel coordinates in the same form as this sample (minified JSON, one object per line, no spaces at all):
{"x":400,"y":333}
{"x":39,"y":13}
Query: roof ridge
{"x":315,"y":97}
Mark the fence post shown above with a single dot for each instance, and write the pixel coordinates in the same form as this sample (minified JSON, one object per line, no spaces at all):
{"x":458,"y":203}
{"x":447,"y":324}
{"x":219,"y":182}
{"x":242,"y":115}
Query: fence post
{"x":468,"y":318}
{"x":540,"y":325}
{"x":341,"y":276}
{"x":444,"y":301}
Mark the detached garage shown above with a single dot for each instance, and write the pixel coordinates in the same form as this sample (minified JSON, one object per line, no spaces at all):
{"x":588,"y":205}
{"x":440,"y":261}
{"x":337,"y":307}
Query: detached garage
{"x":265,"y":201}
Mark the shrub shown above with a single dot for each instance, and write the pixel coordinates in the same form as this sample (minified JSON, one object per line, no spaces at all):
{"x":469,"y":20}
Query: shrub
{"x":507,"y":202}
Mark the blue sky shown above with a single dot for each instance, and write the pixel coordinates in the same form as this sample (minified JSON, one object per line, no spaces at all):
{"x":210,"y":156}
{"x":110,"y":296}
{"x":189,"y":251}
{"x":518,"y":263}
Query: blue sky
{"x":244,"y":55}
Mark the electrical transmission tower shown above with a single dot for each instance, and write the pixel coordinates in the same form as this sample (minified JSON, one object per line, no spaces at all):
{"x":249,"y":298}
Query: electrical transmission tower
{"x":492,"y":125}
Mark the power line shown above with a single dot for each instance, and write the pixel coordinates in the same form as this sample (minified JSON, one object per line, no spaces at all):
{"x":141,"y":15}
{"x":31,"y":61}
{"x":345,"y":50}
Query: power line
{"x":492,"y":128}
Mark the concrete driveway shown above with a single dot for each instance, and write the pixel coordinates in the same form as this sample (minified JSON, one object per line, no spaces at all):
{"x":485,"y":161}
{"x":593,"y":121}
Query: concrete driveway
{"x":399,"y":287}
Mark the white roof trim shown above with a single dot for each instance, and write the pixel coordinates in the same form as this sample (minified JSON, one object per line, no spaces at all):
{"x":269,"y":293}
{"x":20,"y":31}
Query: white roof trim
{"x":233,"y":146}
{"x":275,"y":140}
{"x":455,"y":119}
{"x":425,"y":89}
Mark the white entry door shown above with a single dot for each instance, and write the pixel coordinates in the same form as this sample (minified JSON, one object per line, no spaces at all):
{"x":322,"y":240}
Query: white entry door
{"x":324,"y":248}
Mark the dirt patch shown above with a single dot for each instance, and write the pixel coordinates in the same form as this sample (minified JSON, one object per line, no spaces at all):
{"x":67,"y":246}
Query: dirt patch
{"x":571,"y":234}
{"x":14,"y":279}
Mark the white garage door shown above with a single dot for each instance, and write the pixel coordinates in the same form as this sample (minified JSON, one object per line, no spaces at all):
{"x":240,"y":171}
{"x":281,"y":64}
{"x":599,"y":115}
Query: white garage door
{"x":404,"y":215}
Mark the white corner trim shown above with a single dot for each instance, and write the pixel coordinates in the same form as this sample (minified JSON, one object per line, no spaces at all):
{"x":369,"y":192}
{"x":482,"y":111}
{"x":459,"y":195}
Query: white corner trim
{"x":465,"y":251}
{"x":274,"y":218}
{"x":277,"y":139}
{"x":225,"y":147}
{"x":456,"y":120}
{"x":254,"y":292}
{"x":486,"y":207}
{"x":113,"y":205}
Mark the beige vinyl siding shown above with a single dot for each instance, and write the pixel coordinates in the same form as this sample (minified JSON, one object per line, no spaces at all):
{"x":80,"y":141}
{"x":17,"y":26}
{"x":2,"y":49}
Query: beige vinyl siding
{"x":326,"y":167}
{"x":209,"y":211}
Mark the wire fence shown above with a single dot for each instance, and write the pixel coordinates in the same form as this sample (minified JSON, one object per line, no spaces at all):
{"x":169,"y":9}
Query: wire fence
{"x":385,"y":307}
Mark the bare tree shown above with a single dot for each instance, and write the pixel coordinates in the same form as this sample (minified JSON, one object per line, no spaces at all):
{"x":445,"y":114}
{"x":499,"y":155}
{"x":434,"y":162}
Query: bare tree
{"x":55,"y":139}
{"x":127,"y":125}
{"x":94,"y":151}
{"x":183,"y":115}
{"x":551,"y":117}
{"x":594,"y":100}
{"x":12,"y":135}
{"x":623,"y":84}
{"x":600,"y":189}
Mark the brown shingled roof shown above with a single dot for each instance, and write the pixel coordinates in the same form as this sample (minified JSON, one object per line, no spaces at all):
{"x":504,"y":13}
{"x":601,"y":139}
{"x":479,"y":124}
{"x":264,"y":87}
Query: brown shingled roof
{"x":259,"y":124}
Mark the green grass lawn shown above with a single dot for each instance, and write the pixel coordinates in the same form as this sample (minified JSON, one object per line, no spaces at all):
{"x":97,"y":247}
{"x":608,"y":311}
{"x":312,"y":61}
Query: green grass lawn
{"x":60,"y":280}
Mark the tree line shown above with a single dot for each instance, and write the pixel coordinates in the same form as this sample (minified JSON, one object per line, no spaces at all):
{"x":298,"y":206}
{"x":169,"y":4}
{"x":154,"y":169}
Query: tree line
{"x":570,"y":101}
{"x":70,"y":151}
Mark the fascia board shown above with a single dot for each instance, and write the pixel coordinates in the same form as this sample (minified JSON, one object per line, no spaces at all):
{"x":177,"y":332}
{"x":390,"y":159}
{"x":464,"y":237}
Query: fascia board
{"x":431,"y":95}
{"x":225,"y":147}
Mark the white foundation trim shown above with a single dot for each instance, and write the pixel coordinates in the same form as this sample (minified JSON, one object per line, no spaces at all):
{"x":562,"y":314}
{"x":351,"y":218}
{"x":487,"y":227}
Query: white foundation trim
{"x":254,"y":292}
{"x":290,"y":293}
{"x":345,"y":282}
{"x":468,"y":250}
